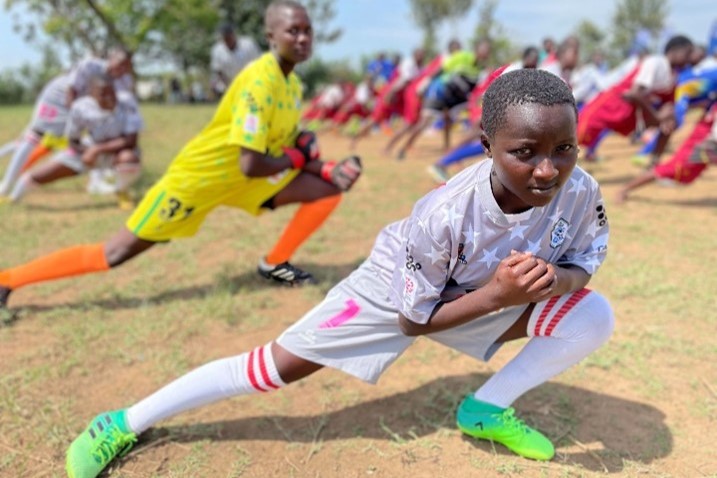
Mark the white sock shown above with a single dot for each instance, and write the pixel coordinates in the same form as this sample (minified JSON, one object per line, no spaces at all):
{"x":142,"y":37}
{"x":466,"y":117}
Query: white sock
{"x":8,"y":148}
{"x":18,"y":160}
{"x":564,"y":331}
{"x":23,"y":185}
{"x":240,"y":375}
{"x":127,"y":175}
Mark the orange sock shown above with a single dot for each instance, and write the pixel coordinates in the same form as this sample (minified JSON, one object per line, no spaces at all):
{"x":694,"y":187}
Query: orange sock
{"x":37,"y":154}
{"x":305,"y":222}
{"x":63,"y":263}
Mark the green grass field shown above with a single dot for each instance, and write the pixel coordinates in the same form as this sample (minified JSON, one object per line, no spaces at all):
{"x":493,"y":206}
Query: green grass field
{"x":644,"y":405}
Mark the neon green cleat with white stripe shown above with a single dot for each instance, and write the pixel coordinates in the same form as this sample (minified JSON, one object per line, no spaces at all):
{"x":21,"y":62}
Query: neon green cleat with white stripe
{"x":489,"y":422}
{"x":105,"y":438}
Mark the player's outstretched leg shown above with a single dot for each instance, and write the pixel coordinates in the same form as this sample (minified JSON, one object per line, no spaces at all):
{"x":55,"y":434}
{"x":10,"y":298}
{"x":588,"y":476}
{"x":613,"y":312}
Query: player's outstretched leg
{"x":318,"y":199}
{"x":112,"y":434}
{"x":19,"y":157}
{"x":563,"y":330}
{"x":73,"y":261}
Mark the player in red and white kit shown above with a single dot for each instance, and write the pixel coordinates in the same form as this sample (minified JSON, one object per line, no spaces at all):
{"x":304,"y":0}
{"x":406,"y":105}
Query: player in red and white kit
{"x":634,"y":99}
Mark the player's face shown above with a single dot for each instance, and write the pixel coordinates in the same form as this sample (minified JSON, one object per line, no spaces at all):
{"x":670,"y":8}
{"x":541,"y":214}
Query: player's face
{"x":105,"y":96}
{"x":291,"y":35}
{"x":119,"y":66}
{"x":533,"y":154}
{"x":680,"y":57}
{"x":531,"y":61}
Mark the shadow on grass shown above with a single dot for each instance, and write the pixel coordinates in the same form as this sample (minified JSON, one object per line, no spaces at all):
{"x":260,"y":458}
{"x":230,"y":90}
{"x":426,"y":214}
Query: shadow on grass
{"x":248,"y":281}
{"x":609,"y":430}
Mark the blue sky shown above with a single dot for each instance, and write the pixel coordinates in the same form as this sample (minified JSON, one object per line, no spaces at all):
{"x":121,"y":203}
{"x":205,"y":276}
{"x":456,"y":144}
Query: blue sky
{"x":372,"y":25}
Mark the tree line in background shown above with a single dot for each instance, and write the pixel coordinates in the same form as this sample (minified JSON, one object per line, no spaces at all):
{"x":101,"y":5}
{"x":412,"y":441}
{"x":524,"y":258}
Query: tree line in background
{"x":180,"y":33}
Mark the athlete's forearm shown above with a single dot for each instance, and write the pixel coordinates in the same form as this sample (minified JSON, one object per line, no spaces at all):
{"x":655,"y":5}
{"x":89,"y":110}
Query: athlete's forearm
{"x":448,"y":315}
{"x":117,"y":144}
{"x":639,"y":98}
{"x":569,"y":279}
{"x":256,"y":165}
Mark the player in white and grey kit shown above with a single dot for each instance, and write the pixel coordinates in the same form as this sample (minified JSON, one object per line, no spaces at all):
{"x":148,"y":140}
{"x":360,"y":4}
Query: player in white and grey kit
{"x":112,"y":123}
{"x":518,"y":235}
{"x":53,"y":105}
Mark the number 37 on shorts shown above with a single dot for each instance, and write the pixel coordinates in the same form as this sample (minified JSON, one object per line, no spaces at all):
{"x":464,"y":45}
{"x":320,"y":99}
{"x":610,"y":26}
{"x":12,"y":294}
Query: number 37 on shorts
{"x":162,"y":216}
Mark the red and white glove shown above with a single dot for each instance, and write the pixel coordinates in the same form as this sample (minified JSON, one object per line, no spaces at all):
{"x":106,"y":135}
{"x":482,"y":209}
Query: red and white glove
{"x":305,"y":149}
{"x":343,"y":174}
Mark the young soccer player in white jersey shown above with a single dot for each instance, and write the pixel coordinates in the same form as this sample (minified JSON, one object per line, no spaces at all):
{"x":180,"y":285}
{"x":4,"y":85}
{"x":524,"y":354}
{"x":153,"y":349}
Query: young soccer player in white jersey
{"x":112,"y":122}
{"x":520,"y":233}
{"x":53,"y":105}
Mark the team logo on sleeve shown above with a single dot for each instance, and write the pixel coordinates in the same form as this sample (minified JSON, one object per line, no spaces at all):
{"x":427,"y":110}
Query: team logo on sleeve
{"x":559,"y":232}
{"x":251,"y":124}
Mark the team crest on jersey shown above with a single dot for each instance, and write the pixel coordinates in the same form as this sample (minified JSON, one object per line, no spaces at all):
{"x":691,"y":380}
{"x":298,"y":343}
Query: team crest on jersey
{"x":251,"y":124}
{"x":557,"y":235}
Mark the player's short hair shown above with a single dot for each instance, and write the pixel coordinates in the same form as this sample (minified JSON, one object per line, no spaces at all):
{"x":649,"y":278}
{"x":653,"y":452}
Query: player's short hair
{"x":100,"y":80}
{"x":276,"y":5}
{"x":226,"y":29}
{"x":531,"y":50}
{"x":522,"y":87}
{"x":677,"y":41}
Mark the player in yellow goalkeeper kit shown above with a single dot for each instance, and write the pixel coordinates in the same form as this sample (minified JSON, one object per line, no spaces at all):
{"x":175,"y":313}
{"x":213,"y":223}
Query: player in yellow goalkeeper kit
{"x":250,"y":156}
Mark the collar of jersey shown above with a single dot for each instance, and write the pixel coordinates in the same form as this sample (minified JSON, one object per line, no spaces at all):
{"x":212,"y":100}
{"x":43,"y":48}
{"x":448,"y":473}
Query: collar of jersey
{"x":490,"y":205}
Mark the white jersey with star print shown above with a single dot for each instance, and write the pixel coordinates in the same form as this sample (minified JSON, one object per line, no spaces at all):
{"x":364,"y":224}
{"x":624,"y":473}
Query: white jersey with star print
{"x":103,"y":125}
{"x":457,"y":235}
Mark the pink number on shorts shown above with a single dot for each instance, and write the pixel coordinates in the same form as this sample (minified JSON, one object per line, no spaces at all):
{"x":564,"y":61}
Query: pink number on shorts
{"x":352,"y":309}
{"x":47,"y":111}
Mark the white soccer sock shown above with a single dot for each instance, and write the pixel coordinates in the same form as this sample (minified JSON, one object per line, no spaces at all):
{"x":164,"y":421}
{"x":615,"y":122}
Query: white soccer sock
{"x":18,"y":160}
{"x":8,"y":148}
{"x":23,"y":185}
{"x":127,"y":175}
{"x":564,"y":331}
{"x":240,"y":375}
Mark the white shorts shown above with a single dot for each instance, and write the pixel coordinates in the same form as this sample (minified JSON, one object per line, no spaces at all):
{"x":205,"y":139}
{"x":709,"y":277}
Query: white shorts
{"x":73,"y":160}
{"x":355,"y":329}
{"x":51,"y":112}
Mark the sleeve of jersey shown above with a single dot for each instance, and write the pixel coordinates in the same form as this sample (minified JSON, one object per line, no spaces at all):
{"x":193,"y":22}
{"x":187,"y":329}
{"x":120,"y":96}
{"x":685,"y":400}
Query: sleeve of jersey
{"x":588,"y":247}
{"x":646,"y":75}
{"x":75,"y":123}
{"x":134,"y":122}
{"x":251,"y":116}
{"x":421,"y":272}
{"x":215,"y":61}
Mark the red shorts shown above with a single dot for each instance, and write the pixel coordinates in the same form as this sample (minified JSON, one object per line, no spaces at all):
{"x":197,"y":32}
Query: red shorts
{"x":607,"y":111}
{"x":412,"y":102}
{"x":383,"y":110}
{"x":679,"y":167}
{"x":344,"y":115}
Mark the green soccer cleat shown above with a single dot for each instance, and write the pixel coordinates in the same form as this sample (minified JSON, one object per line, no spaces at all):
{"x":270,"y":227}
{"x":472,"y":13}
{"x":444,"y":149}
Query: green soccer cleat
{"x":489,"y":422}
{"x":104,"y":439}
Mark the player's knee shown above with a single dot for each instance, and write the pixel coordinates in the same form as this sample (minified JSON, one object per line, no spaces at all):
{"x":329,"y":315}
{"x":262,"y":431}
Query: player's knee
{"x":599,"y":319}
{"x":127,"y":156}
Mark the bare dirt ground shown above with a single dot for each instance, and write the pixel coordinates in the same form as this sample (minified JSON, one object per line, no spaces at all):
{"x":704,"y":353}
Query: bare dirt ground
{"x":644,"y":405}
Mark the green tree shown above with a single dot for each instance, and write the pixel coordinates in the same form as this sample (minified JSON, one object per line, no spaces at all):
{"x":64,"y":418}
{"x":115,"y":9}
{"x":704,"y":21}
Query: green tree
{"x":178,"y":30}
{"x":591,"y":38}
{"x":430,"y":14}
{"x":503,"y":50}
{"x":633,"y":15}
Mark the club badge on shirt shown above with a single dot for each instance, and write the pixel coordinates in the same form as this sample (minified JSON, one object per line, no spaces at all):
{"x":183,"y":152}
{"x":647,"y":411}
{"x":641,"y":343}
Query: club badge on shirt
{"x":557,"y":235}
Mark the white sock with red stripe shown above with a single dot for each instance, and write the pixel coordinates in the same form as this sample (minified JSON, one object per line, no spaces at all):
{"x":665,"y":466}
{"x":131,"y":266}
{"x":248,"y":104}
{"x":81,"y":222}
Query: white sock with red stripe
{"x":18,"y":160}
{"x":240,"y":375}
{"x":564,"y":330}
